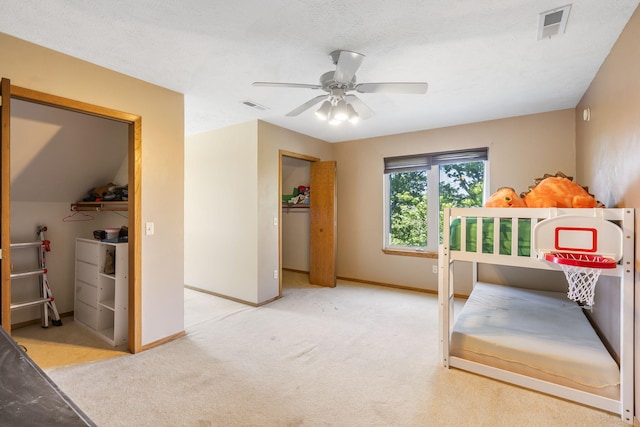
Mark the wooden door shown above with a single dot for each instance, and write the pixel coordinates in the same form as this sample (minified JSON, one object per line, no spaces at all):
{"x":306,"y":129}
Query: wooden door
{"x":322,"y":224}
{"x":5,"y":185}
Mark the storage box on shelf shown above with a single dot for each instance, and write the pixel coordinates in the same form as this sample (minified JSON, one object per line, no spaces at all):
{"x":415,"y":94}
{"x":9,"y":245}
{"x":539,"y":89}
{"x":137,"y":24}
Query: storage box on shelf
{"x":101,"y":295}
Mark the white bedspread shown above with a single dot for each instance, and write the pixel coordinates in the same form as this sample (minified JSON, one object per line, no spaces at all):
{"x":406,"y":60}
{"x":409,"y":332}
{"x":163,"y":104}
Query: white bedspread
{"x":536,"y":333}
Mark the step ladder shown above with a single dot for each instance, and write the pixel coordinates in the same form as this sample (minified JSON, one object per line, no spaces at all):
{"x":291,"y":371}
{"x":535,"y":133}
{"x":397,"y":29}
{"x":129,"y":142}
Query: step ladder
{"x":49,"y":309}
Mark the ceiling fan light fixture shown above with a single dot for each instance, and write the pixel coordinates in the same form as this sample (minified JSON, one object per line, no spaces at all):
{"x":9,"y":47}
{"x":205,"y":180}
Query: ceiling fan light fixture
{"x":340,"y":111}
{"x":332,"y":115}
{"x":336,"y":104}
{"x":354,"y":117}
{"x":324,"y":110}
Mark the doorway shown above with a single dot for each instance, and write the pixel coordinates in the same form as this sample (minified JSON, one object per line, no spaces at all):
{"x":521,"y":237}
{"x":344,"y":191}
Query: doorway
{"x":295,"y":214}
{"x":307,"y":228}
{"x":133,"y":170}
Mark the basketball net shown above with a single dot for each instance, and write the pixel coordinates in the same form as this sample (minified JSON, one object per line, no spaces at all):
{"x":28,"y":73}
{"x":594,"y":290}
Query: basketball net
{"x":582,"y":272}
{"x":582,"y":283}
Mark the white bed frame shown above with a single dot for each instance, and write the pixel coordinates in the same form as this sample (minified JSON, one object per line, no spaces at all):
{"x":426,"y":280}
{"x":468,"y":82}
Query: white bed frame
{"x":624,"y":271}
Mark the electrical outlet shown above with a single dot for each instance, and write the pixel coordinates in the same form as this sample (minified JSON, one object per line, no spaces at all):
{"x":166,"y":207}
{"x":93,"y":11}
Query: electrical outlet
{"x":275,"y":274}
{"x":435,"y":269}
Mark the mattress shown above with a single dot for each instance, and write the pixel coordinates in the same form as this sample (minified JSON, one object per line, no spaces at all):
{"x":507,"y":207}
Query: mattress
{"x":535,"y":333}
{"x":524,"y":236}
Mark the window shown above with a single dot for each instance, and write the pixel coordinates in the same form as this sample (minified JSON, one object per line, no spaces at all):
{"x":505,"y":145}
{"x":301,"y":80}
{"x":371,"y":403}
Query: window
{"x":417,"y":187}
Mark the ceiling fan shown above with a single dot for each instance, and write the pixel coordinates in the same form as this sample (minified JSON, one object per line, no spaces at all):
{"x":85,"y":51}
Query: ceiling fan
{"x":339,"y":105}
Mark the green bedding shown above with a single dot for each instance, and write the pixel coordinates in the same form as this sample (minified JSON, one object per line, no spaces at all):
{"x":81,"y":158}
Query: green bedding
{"x":524,"y":236}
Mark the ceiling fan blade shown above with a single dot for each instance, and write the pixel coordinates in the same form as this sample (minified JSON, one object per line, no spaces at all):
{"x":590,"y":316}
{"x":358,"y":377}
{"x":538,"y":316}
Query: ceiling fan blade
{"x":346,"y":65}
{"x":408,"y":88}
{"x":310,"y":103}
{"x":361,"y":108}
{"x":289,"y":85}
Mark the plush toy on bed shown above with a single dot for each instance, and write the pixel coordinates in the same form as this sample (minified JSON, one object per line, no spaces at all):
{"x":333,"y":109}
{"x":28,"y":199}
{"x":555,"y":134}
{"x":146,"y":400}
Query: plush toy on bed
{"x":550,"y":191}
{"x":505,"y":197}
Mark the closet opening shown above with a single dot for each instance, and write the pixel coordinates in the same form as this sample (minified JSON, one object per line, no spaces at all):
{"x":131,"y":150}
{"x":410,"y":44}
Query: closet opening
{"x":61,"y":149}
{"x":295,"y":174}
{"x":307,"y":219}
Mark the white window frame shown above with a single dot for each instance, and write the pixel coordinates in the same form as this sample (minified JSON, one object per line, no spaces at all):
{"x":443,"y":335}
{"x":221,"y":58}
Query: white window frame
{"x":433,"y":197}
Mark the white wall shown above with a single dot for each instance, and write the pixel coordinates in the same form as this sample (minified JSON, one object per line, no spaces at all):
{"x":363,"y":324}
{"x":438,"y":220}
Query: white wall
{"x":62,"y":230}
{"x":221,"y":208}
{"x":295,"y":221}
{"x":80,"y":150}
{"x":295,"y":238}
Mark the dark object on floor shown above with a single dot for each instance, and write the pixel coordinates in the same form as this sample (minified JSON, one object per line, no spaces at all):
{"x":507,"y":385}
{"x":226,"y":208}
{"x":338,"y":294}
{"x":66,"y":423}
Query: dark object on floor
{"x":28,"y":397}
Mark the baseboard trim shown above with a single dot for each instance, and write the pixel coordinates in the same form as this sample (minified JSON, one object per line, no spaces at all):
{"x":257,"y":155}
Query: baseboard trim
{"x":388,"y":285}
{"x":37,"y":321}
{"x":371,"y":282}
{"x":163,"y":341}
{"x":241,"y":301}
{"x":348,"y":279}
{"x":294,"y":270}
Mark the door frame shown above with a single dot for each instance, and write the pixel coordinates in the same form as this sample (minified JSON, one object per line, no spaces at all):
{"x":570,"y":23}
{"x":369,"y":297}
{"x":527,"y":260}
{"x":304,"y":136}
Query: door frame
{"x":134,"y":152}
{"x":281,"y":154}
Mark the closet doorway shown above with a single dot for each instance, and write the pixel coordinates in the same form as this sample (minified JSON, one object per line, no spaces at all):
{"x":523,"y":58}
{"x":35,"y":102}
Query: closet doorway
{"x":308,"y":231}
{"x":133,"y":166}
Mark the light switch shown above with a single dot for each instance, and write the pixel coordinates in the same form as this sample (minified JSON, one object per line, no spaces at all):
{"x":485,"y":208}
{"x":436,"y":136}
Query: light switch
{"x":150,"y":228}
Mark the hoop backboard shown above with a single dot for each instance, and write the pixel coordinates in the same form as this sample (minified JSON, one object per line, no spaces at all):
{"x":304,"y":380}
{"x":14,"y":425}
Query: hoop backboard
{"x":578,"y":234}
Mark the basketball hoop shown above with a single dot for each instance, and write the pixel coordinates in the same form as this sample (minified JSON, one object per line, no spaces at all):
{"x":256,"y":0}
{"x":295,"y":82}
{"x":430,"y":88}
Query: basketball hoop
{"x":582,"y":272}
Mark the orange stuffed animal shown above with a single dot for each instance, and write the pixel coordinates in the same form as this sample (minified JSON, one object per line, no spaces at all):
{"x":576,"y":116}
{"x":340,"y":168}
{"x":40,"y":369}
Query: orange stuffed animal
{"x":550,"y":191}
{"x":505,"y":197}
{"x":559,"y":192}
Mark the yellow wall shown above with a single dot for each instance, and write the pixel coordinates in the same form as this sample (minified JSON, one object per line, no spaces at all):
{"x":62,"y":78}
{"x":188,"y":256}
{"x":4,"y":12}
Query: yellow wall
{"x":520,"y":150}
{"x":231,"y":241}
{"x":608,"y":146}
{"x":272,"y":139}
{"x":608,"y":149}
{"x":162,"y":111}
{"x":221,"y":208}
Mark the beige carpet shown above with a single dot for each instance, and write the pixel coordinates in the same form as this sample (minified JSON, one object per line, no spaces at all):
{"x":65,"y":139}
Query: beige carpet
{"x":354,"y":355}
{"x":64,"y":345}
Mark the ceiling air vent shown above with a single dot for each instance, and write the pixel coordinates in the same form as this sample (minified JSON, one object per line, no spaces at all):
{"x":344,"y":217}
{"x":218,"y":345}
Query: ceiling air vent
{"x":553,"y":22}
{"x":254,"y":105}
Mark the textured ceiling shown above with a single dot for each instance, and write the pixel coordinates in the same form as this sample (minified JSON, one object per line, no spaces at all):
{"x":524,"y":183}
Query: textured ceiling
{"x":482,"y":59}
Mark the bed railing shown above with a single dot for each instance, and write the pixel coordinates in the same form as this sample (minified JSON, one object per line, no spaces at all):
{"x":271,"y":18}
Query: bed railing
{"x":503,"y":236}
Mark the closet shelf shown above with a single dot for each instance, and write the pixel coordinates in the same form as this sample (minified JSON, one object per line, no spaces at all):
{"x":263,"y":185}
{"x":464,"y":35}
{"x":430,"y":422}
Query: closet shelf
{"x":100,"y":206}
{"x":291,"y":206}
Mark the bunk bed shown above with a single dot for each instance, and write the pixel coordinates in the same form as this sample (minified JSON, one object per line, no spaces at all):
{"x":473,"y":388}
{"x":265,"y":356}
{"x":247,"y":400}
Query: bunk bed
{"x":535,"y":336}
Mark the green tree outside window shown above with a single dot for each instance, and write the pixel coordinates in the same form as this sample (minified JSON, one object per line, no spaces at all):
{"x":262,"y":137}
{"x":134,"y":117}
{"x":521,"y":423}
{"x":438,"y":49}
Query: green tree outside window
{"x":460,"y":185}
